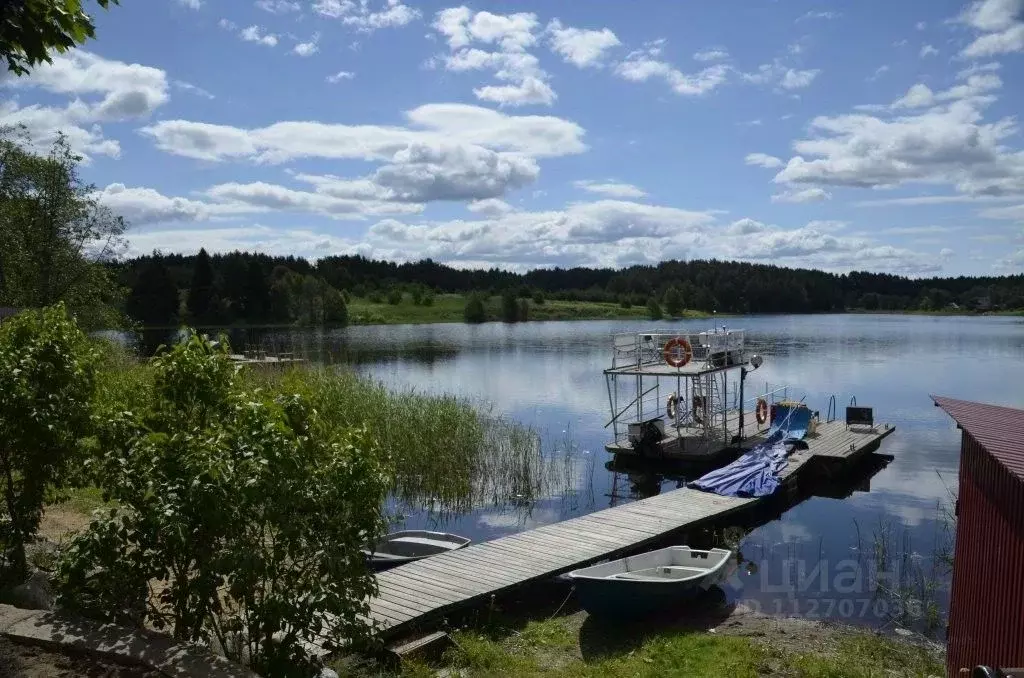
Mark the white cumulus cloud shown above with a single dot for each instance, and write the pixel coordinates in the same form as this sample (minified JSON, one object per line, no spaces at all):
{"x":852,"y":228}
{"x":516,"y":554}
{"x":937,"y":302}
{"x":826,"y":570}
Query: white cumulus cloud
{"x":579,"y":46}
{"x":255,"y":34}
{"x":613,"y":189}
{"x":646,"y":64}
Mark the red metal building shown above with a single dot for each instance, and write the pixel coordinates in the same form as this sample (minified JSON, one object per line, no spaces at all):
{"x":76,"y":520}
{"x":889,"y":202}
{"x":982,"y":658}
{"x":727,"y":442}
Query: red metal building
{"x":986,"y":616}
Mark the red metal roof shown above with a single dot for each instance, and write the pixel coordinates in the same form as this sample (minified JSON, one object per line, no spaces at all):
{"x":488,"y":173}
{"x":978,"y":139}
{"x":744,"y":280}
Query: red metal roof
{"x":1000,"y":430}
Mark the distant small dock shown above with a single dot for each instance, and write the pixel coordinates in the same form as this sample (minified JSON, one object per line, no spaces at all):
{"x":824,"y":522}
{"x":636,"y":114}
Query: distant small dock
{"x":420,"y":592}
{"x":263,"y":359}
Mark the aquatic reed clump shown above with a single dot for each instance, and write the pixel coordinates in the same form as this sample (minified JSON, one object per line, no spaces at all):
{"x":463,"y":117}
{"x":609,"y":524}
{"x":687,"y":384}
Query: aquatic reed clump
{"x":448,"y":455}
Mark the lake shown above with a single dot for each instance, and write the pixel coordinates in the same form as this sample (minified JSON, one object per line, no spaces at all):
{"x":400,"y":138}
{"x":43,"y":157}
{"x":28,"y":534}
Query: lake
{"x":870,"y":550}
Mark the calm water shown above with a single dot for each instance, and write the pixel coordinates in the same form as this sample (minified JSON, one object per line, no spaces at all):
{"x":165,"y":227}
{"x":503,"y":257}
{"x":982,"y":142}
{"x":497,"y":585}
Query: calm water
{"x":824,"y":556}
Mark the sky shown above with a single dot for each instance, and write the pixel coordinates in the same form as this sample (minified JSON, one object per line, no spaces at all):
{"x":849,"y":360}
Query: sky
{"x":865,"y":135}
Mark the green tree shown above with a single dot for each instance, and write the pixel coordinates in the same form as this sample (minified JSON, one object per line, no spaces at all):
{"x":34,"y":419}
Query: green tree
{"x":475,"y":311}
{"x":56,"y":236}
{"x":524,"y":311}
{"x":538,"y":298}
{"x":30,"y":29}
{"x":256,"y":303}
{"x":653,"y":309}
{"x":244,"y":514}
{"x":47,"y":370}
{"x":673,"y":301}
{"x":153,"y":299}
{"x":509,"y":306}
{"x":201,"y":291}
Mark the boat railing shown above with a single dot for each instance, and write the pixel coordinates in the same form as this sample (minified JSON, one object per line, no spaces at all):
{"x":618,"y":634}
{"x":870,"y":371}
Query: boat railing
{"x":637,"y":349}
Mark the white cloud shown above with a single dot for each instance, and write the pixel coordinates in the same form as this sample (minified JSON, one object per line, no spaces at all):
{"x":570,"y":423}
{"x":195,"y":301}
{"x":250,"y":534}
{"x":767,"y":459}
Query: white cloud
{"x":193,"y":89}
{"x":339,"y":76}
{"x":44,"y":122}
{"x":1014,"y":212}
{"x":261,"y":196}
{"x":802,"y":195}
{"x":579,"y":46}
{"x":191,"y":4}
{"x":532,"y":135}
{"x":763,"y":160}
{"x":612,"y":189}
{"x":524,"y":81}
{"x":921,"y":25}
{"x":621,"y":233}
{"x":778,"y":74}
{"x":794,"y":79}
{"x":359,"y":15}
{"x":227,"y":24}
{"x":927,"y":51}
{"x":819,"y":15}
{"x":644,"y":64}
{"x":128,"y":91}
{"x":430,"y":172}
{"x":308,"y":48}
{"x":1001,"y":24}
{"x":279,"y":6}
{"x":144,"y":206}
{"x":879,"y":72}
{"x":103,"y":90}
{"x":255,"y":34}
{"x":978,"y":86}
{"x":942,"y":145}
{"x":490,"y":207}
{"x":716,"y":54}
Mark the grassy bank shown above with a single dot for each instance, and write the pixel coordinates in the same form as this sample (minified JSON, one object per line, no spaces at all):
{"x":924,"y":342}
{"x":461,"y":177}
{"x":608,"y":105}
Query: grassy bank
{"x":737,"y":646}
{"x":448,"y":308}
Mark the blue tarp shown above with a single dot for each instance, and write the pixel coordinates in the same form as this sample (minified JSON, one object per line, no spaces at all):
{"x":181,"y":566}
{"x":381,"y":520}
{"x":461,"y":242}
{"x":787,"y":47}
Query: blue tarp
{"x":756,"y":473}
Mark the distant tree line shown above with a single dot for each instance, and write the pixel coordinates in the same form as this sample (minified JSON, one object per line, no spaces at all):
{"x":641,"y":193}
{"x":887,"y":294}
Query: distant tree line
{"x":259,"y":288}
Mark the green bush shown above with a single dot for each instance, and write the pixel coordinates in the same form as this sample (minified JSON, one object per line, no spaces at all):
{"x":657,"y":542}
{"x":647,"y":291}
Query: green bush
{"x":242,"y":513}
{"x":538,"y":298}
{"x":475,"y":312}
{"x":509,"y":306}
{"x":394,"y":296}
{"x":47,"y":371}
{"x":673,"y":301}
{"x":653,"y":309}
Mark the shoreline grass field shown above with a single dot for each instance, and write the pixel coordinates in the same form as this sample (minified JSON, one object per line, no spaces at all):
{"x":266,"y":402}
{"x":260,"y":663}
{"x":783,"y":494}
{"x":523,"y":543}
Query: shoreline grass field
{"x":449,"y":308}
{"x":737,"y":643}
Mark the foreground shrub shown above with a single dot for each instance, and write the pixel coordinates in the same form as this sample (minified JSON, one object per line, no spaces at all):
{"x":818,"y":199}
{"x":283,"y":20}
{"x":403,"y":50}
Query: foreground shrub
{"x":240,"y":517}
{"x":46,"y":381}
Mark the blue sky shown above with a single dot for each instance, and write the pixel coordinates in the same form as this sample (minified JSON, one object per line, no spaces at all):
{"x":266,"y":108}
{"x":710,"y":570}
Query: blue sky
{"x":869,"y":135}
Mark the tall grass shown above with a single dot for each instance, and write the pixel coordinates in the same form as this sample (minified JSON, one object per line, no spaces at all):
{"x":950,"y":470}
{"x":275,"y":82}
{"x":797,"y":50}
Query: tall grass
{"x":449,"y":456}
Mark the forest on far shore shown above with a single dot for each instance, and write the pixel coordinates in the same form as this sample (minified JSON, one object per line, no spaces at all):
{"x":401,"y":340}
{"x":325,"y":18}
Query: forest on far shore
{"x":250,"y":288}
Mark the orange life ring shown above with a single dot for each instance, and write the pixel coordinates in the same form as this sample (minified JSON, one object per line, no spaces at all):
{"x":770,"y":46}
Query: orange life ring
{"x":761,"y":411}
{"x":670,"y":406}
{"x":699,"y":404}
{"x":677,"y":352}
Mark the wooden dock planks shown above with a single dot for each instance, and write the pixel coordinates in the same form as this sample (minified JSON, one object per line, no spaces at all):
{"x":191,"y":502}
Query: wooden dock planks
{"x":428,"y":588}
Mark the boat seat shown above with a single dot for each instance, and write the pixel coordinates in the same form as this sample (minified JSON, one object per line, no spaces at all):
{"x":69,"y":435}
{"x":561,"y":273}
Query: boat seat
{"x":423,"y":541}
{"x":662,"y":573}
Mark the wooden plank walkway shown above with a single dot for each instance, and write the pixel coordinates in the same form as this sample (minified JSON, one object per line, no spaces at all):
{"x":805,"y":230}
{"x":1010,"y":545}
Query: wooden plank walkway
{"x":430,"y":587}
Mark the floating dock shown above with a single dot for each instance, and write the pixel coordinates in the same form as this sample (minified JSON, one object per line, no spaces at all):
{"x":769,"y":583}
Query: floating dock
{"x":420,"y":592}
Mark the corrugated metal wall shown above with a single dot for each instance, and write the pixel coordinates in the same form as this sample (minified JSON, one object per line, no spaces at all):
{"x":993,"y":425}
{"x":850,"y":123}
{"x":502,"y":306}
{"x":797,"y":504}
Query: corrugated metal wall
{"x":986,"y":619}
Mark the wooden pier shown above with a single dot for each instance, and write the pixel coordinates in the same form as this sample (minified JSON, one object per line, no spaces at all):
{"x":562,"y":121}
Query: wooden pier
{"x":419,"y":592}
